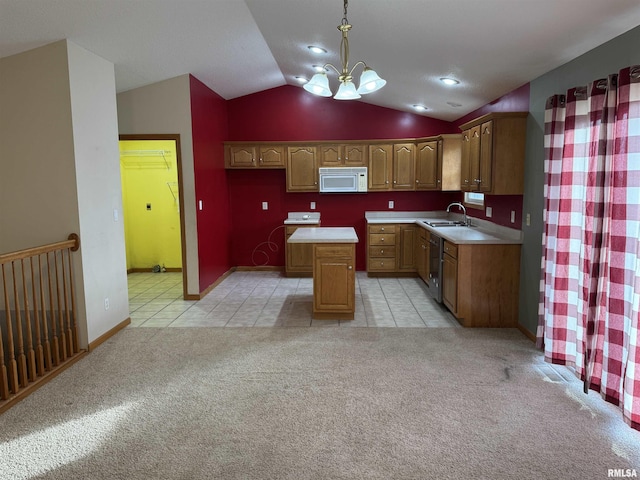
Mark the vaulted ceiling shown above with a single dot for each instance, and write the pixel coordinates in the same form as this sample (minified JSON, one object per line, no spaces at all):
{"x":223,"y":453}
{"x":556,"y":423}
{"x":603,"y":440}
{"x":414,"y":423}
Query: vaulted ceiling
{"x":238,"y":47}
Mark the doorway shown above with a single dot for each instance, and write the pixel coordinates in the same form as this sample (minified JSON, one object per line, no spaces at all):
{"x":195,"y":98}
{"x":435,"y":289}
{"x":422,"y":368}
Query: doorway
{"x":153,"y":205}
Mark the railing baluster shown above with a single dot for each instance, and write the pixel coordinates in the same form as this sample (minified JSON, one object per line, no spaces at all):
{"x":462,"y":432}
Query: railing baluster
{"x":45,"y":327}
{"x":14,"y":384}
{"x":4,"y":378}
{"x":36,"y":322}
{"x":63,"y":340}
{"x":22,"y":359}
{"x":31,"y":354}
{"x":54,"y":329}
{"x":66,"y":302}
{"x":76,"y":346}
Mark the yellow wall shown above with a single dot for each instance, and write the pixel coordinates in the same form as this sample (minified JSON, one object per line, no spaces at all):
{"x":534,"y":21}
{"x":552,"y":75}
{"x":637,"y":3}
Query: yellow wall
{"x":152,"y":236}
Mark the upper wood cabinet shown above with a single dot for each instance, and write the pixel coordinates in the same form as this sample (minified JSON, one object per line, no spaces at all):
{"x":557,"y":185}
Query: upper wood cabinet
{"x":438,"y":163}
{"x":404,"y":166}
{"x":302,"y":169}
{"x":346,"y":155}
{"x":493,"y":150}
{"x":255,"y":156}
{"x":427,"y":165}
{"x":380,"y":166}
{"x":392,"y":166}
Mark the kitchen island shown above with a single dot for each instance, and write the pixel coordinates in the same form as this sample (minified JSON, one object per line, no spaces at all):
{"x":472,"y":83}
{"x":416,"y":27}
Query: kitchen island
{"x":334,"y":258}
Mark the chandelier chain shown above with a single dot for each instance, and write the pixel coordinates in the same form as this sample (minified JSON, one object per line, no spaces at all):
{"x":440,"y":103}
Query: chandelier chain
{"x":344,"y":18}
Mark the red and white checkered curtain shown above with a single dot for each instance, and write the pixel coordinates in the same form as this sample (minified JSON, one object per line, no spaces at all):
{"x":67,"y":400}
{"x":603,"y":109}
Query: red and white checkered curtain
{"x":590,"y":284}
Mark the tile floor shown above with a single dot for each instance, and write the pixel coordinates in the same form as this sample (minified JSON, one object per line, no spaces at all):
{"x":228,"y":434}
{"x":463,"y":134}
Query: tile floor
{"x":268,"y":299}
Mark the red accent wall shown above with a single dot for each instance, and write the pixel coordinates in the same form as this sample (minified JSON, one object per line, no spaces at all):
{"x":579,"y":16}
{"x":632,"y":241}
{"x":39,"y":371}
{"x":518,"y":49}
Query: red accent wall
{"x":290,"y":113}
{"x":209,"y":131}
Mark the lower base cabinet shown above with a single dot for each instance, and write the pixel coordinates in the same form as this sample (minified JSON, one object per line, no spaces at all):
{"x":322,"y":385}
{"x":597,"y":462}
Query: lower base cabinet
{"x":334,"y":281}
{"x":298,"y":256}
{"x":480,"y":284}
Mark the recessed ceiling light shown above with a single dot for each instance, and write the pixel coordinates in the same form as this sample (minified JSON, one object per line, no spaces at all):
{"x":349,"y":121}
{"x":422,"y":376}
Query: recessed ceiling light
{"x":454,"y":104}
{"x":449,"y":81}
{"x":420,"y":108}
{"x":301,"y":79}
{"x":318,"y":68}
{"x":315,"y":49}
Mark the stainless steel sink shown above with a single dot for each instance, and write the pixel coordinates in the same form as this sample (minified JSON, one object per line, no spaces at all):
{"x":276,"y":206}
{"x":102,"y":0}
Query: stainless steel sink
{"x":446,"y":223}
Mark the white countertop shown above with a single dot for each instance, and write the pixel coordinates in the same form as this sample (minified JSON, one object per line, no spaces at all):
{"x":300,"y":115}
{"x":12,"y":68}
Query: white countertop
{"x":324,"y":235}
{"x":302,"y":218}
{"x":483,"y":232}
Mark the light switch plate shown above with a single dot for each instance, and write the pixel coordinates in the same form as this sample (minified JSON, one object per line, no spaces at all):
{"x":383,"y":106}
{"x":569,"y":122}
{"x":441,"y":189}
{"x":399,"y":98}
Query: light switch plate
{"x":391,"y":204}
{"x":265,"y":205}
{"x":312,"y":205}
{"x":489,"y":212}
{"x":199,"y":204}
{"x":528,"y":219}
{"x":513,"y":216}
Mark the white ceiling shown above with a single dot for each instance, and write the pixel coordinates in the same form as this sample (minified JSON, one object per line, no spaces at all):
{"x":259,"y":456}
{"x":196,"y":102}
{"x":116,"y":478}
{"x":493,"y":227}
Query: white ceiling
{"x":238,"y":47}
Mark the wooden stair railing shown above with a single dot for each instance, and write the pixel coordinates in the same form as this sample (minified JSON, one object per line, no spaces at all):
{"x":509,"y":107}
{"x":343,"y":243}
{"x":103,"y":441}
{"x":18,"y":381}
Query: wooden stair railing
{"x":38,"y":322}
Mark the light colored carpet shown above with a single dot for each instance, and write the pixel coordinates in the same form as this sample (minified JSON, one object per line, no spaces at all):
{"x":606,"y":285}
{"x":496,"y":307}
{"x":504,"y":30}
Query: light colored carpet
{"x":314,"y":403}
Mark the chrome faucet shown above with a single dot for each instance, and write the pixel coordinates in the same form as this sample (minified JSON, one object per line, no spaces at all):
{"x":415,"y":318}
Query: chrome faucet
{"x":464,"y":211}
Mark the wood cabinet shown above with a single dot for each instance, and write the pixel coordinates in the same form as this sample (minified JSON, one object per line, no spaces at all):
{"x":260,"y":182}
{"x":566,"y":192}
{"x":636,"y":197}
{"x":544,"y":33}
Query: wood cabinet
{"x":392,"y":166}
{"x":493,"y":150}
{"x":391,"y":248}
{"x":407,"y":247}
{"x":381,"y":248}
{"x":334,"y":280}
{"x":450,"y":277}
{"x":298,"y":256}
{"x":404,"y":166}
{"x":342,"y":155}
{"x":302,"y":169}
{"x":255,"y":156}
{"x":438,"y":163}
{"x":480,"y":283}
{"x":380,"y":167}
{"x":422,"y":254}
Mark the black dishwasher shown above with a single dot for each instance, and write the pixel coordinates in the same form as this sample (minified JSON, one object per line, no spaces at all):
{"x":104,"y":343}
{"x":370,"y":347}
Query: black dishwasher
{"x":436,"y":245}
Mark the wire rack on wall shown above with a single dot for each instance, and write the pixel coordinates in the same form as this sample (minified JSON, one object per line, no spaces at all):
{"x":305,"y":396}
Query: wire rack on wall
{"x":145,"y":154}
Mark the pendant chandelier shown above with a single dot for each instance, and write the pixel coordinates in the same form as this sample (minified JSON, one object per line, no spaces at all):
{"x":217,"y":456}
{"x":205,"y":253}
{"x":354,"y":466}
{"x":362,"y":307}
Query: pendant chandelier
{"x":369,"y":79}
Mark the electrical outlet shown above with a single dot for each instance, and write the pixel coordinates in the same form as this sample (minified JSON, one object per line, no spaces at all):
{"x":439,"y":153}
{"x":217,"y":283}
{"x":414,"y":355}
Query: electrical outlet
{"x":106,"y":303}
{"x":312,"y":206}
{"x":265,"y":205}
{"x":489,"y":212}
{"x":391,"y":204}
{"x":200,"y":204}
{"x":528,"y":220}
{"x":513,"y":216}
{"x":115,"y":214}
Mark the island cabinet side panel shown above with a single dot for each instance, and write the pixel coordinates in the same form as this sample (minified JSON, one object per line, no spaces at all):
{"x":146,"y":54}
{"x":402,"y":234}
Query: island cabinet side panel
{"x":334,"y":279}
{"x":488,"y":285}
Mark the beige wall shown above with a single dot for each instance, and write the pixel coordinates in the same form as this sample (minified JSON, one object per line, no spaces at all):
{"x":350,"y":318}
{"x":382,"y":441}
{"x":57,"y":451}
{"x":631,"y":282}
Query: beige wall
{"x":38,"y":195}
{"x":61,"y":172}
{"x":165,"y":107}
{"x":97,"y":167}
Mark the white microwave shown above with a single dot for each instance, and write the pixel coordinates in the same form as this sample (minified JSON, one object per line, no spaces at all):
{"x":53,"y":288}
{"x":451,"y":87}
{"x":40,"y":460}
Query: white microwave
{"x":343,"y":179}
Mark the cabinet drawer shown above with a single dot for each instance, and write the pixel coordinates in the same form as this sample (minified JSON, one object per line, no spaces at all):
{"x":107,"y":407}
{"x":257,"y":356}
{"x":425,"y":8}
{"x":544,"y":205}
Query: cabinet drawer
{"x":451,"y":249}
{"x":382,"y":251}
{"x":382,"y":264}
{"x":382,"y":239}
{"x":382,"y":229}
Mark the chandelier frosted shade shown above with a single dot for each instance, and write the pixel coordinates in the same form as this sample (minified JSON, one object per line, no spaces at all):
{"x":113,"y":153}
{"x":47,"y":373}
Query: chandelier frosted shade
{"x":370,"y":82}
{"x":346,"y":91}
{"x":318,"y":85}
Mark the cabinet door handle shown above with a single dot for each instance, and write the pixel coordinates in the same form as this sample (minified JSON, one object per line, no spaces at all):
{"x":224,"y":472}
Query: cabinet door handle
{"x":395,"y":181}
{"x":253,"y":160}
{"x":381,"y":252}
{"x":382,"y":239}
{"x":417,"y":181}
{"x":382,"y":229}
{"x":260,"y":159}
{"x":350,"y":267}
